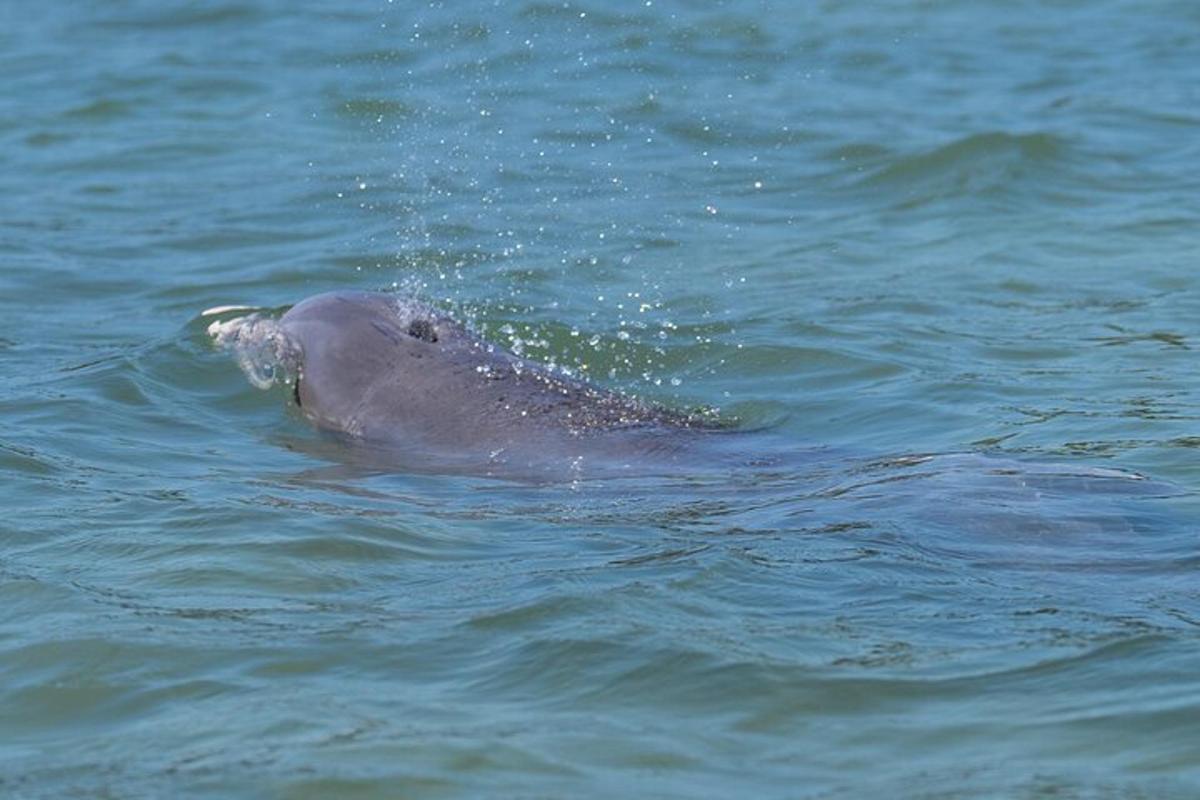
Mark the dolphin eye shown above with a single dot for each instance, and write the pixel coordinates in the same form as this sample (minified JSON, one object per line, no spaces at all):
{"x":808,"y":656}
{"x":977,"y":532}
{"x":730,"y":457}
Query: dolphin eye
{"x":422,"y":329}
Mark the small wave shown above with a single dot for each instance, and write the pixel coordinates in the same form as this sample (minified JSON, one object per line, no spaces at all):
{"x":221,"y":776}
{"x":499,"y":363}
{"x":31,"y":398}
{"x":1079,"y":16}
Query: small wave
{"x":978,"y":162}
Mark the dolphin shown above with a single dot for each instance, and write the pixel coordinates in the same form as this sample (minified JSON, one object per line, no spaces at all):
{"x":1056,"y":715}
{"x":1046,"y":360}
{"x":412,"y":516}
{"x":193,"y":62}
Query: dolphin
{"x":410,"y":388}
{"x":393,"y":374}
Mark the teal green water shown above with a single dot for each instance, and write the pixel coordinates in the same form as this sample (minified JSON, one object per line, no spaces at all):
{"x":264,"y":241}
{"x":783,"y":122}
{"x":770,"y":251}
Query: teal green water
{"x":874,"y":230}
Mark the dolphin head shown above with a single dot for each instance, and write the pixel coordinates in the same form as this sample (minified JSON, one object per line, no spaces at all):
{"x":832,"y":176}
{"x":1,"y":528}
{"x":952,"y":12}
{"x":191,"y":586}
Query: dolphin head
{"x":346,"y":342}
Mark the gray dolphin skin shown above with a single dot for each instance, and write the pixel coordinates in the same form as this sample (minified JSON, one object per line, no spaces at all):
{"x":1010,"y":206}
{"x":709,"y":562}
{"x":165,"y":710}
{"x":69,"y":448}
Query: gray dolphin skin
{"x":391,"y":371}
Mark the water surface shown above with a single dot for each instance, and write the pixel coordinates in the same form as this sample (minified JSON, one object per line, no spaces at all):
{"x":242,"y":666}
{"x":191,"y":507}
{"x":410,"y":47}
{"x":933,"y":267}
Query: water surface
{"x":867,"y":233}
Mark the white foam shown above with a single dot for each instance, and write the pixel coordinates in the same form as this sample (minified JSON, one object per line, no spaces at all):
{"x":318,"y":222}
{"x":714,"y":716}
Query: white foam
{"x":210,"y":312}
{"x":260,"y":346}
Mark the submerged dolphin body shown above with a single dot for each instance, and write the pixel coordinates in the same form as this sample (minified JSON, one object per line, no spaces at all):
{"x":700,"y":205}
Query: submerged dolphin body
{"x":391,"y":372}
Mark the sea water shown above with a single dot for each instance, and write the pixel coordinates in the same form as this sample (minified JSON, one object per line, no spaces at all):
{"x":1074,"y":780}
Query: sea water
{"x":874,"y":230}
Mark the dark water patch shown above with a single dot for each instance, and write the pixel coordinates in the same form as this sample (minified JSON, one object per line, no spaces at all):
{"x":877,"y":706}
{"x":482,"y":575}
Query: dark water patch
{"x":376,"y":110}
{"x":188,"y":16}
{"x":48,"y":139}
{"x":26,"y":460}
{"x":218,"y":87}
{"x":102,"y":110}
{"x":454,"y":34}
{"x":391,"y":56}
{"x":724,"y":33}
{"x":1162,"y":225}
{"x":1125,"y":337}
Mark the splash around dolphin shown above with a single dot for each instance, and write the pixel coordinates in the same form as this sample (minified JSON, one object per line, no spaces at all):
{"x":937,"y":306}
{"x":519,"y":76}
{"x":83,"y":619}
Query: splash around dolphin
{"x":398,"y":377}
